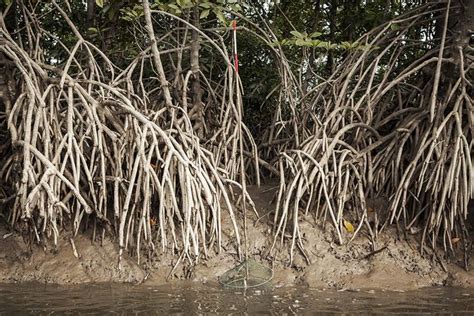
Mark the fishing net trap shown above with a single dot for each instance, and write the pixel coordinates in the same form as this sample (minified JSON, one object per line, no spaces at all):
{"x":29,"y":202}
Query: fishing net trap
{"x":247,"y":274}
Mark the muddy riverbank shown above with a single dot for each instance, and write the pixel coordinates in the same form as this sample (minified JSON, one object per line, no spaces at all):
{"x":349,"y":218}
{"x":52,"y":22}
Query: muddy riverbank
{"x":396,"y":264}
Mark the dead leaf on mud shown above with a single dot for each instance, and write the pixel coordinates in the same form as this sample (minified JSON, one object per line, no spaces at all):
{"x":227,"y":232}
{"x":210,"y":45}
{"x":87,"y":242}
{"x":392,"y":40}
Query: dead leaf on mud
{"x":7,"y":235}
{"x":455,"y":240}
{"x":349,"y":227}
{"x":414,"y":230}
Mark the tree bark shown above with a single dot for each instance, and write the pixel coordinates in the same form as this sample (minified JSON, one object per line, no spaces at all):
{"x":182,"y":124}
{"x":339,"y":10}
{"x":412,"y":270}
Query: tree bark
{"x":197,"y":110}
{"x":156,"y":55}
{"x":330,"y":67}
{"x":90,"y":13}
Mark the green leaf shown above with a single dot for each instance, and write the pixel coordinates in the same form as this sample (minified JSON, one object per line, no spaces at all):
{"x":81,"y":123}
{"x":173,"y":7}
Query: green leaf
{"x":273,"y":44}
{"x":205,"y":5}
{"x":325,"y":45}
{"x":236,"y":7}
{"x":394,"y":27}
{"x":7,"y":2}
{"x":187,"y":4}
{"x":204,"y":14}
{"x":300,"y":42}
{"x":100,"y":3}
{"x":345,"y":45}
{"x":316,"y":34}
{"x":297,"y":34}
{"x":221,"y":16}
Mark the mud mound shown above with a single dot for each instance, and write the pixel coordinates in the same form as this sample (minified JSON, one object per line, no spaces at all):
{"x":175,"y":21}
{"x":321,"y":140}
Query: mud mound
{"x":95,"y":262}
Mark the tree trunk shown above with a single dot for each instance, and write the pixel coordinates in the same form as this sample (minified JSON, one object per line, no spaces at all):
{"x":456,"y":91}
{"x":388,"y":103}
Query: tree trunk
{"x":90,"y":13}
{"x":332,"y":36}
{"x":462,"y":26}
{"x":197,"y":110}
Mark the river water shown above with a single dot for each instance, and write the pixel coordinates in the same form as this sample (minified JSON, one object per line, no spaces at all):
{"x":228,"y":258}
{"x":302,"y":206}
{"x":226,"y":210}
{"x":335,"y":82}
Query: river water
{"x":192,"y":299}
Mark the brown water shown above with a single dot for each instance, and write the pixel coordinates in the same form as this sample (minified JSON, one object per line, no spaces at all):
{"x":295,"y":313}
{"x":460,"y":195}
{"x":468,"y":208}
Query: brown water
{"x":191,"y":299}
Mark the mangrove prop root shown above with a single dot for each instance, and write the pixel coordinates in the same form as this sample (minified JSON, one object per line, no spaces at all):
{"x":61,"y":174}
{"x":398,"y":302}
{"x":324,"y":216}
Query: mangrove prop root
{"x":94,"y":139}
